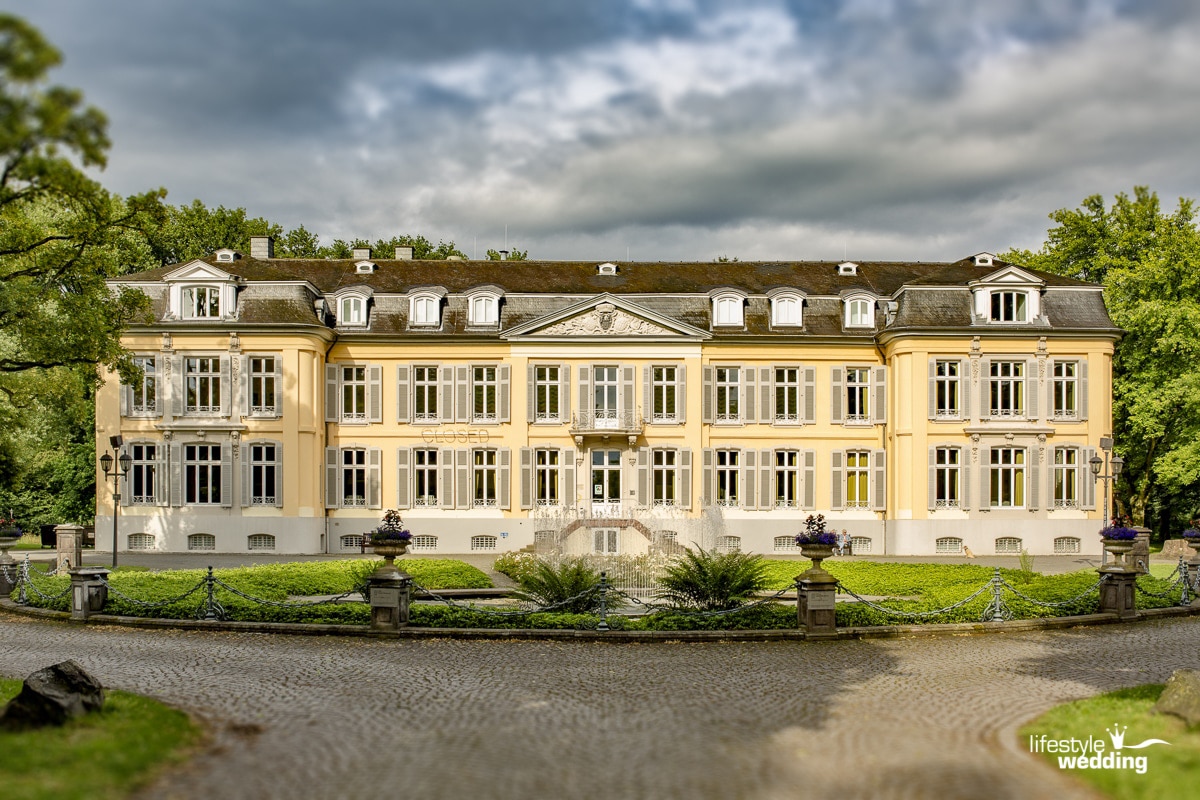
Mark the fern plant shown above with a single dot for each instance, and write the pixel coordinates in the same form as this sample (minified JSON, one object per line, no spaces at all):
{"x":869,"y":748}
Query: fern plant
{"x":548,"y":584}
{"x":712,"y":581}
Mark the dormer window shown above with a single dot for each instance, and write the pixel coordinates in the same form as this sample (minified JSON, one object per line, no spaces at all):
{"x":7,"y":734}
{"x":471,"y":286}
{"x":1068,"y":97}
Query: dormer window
{"x":425,"y":310}
{"x":860,"y":312}
{"x":983,"y":259}
{"x":728,"y":310}
{"x":1010,"y":306}
{"x":848,"y":268}
{"x":201,"y":302}
{"x":352,"y":311}
{"x":787,"y":310}
{"x":364,"y":267}
{"x":484,"y":310}
{"x":225,"y":256}
{"x":606,"y":268}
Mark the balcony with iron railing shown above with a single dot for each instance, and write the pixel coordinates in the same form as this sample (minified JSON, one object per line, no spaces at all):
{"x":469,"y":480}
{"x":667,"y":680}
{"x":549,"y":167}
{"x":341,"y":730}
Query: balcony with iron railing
{"x":606,"y":424}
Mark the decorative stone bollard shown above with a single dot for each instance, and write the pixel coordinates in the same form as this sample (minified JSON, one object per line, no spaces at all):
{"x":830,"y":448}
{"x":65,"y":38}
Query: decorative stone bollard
{"x":815,"y":604}
{"x":68,"y":547}
{"x":390,"y":593}
{"x":88,"y":591}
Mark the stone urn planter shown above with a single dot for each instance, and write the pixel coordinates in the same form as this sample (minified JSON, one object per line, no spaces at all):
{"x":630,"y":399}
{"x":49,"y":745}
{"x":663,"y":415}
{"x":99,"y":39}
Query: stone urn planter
{"x":816,"y":553}
{"x":8,"y":540}
{"x":389,"y":550}
{"x":1118,"y":549}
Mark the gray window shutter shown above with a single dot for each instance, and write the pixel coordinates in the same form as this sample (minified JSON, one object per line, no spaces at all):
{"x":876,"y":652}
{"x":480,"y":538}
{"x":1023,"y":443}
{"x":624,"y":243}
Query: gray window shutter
{"x":332,"y":496}
{"x":159,"y":377}
{"x":838,"y":396}
{"x":839,"y":480}
{"x":504,"y":477}
{"x":331,"y":392}
{"x":685,"y":477}
{"x":810,"y":395}
{"x":278,"y":473}
{"x":707,"y":400}
{"x":1080,"y":390}
{"x":1033,"y":496}
{"x":628,"y":378}
{"x":277,"y":400}
{"x":244,"y":385}
{"x":226,"y":385}
{"x":402,"y":393}
{"x":1032,"y":389}
{"x":445,"y":394}
{"x":964,"y":388}
{"x":526,"y":477}
{"x":462,"y":394}
{"x":765,"y":394}
{"x":124,"y":392}
{"x":504,"y":379}
{"x":985,"y":482}
{"x":530,"y":394}
{"x":879,"y":479}
{"x":1087,"y":482}
{"x":587,"y":405}
{"x":174,"y":476}
{"x":748,"y":474}
{"x":985,"y":390}
{"x":245,"y":469}
{"x":931,"y":486}
{"x":964,"y":478}
{"x":643,"y":477}
{"x":748,"y":406}
{"x":178,"y":386}
{"x":647,"y":393}
{"x":375,"y":393}
{"x":932,"y":389}
{"x":226,"y":476}
{"x":375,"y":477}
{"x":462,"y":483}
{"x":680,"y":394}
{"x":162,"y":475}
{"x":403,"y":482}
{"x":445,"y":478}
{"x":764,"y":479}
{"x":810,"y":479}
{"x":568,"y":473}
{"x":564,"y":393}
{"x":708,"y":477}
{"x":879,"y":401}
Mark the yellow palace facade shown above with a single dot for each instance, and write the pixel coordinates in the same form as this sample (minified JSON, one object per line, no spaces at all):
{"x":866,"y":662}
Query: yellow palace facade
{"x":923,"y":408}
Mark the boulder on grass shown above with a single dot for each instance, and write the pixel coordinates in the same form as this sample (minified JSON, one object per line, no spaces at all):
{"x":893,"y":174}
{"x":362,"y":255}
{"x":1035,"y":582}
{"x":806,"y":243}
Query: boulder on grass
{"x":1181,"y":696}
{"x":51,"y":696}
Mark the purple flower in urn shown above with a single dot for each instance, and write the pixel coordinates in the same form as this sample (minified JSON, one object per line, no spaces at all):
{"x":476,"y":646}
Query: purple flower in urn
{"x":391,"y":530}
{"x":815,"y":533}
{"x":1191,"y":533}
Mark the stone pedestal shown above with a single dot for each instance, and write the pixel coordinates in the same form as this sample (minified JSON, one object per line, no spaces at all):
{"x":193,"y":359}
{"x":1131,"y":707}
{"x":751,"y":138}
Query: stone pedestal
{"x":390,"y":594}
{"x":9,"y":570}
{"x":815,"y":604}
{"x":69,"y":546}
{"x":1118,"y":592}
{"x":1139,"y":557}
{"x":88,"y":592}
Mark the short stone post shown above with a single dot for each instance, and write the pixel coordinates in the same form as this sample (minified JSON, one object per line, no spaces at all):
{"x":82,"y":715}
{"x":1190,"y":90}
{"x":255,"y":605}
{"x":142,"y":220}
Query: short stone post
{"x":1139,"y":557}
{"x":815,"y":603}
{"x":88,"y":591}
{"x":68,"y":547}
{"x":390,"y":595}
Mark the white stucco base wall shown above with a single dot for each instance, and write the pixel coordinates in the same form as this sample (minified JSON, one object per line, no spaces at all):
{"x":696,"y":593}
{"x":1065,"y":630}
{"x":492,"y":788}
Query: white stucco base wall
{"x":232,"y":533}
{"x":919,"y":537}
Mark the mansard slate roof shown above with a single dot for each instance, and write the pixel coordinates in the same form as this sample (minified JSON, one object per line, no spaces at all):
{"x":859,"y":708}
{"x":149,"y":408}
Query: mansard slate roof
{"x":279,"y":291}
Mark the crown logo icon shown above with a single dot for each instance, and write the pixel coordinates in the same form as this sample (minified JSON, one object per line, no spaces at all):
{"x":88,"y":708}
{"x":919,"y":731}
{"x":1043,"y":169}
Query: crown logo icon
{"x":1117,"y":734}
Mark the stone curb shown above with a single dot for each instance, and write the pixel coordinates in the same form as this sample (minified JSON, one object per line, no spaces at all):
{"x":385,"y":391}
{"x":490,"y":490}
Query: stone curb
{"x":875,"y":632}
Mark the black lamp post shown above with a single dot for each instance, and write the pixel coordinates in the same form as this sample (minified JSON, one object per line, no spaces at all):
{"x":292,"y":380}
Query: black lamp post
{"x":124,"y":462}
{"x":1112,"y":465}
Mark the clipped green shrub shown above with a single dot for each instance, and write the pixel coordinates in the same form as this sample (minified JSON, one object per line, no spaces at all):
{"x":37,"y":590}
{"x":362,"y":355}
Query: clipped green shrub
{"x":712,"y":581}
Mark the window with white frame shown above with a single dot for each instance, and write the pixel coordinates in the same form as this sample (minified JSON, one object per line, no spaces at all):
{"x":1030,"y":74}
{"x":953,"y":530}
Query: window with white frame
{"x":664,"y":385}
{"x":263,"y":463}
{"x":945,"y":476}
{"x":483,"y":542}
{"x":860,"y":313}
{"x":202,"y":541}
{"x":787,"y":394}
{"x":948,"y":545}
{"x":1066,"y":477}
{"x":605,"y":386}
{"x":1006,"y":389}
{"x":946,"y":377}
{"x":786,"y":311}
{"x":1009,"y":545}
{"x":484,"y":309}
{"x":728,"y":491}
{"x":201,"y":302}
{"x":785,"y":544}
{"x":143,"y":475}
{"x":1066,"y":545}
{"x":858,"y":479}
{"x":860,"y":545}
{"x":354,"y":477}
{"x":1010,"y":306}
{"x":142,"y":541}
{"x":545,"y":476}
{"x":142,"y":400}
{"x":424,"y":541}
{"x":606,"y":541}
{"x":858,"y":394}
{"x":664,"y":477}
{"x":425,"y":394}
{"x":1066,"y":389}
{"x":264,"y":397}
{"x":425,"y":310}
{"x":352,"y":311}
{"x":787,"y":478}
{"x":260,"y":541}
{"x":203,"y":385}
{"x":485,"y":387}
{"x":354,"y":394}
{"x":485,"y":481}
{"x":728,"y":390}
{"x":729,"y":544}
{"x":202,"y":474}
{"x":1008,"y":477}
{"x":352,"y":541}
{"x":425,"y":477}
{"x":727,"y":310}
{"x":547,"y":406}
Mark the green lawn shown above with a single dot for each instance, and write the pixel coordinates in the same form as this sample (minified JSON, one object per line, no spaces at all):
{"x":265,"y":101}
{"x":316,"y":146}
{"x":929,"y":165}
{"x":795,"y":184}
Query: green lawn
{"x":1170,"y":771}
{"x":103,"y":755}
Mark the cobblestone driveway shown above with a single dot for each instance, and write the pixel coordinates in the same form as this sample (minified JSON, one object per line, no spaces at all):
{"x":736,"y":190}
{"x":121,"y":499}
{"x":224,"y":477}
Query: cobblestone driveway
{"x":298,"y":717}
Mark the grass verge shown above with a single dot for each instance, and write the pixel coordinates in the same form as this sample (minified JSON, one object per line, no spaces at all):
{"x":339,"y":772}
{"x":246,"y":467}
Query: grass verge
{"x":103,"y":755}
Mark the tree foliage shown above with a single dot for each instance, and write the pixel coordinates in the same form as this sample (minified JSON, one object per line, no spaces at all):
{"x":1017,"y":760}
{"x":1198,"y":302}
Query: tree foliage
{"x":513,"y":255}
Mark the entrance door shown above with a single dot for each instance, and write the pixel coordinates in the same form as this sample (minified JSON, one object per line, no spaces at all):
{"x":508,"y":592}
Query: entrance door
{"x":606,"y":482}
{"x":604,"y":384}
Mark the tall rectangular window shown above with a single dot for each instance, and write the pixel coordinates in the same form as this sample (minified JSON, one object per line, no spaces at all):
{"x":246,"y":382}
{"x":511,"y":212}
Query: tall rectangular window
{"x":605,"y":387}
{"x":262,"y":474}
{"x":203,"y":382}
{"x":263,"y":391}
{"x":728,"y":390}
{"x":858,"y":479}
{"x":1066,"y":388}
{"x":142,"y":395}
{"x":545,"y":477}
{"x":728,"y":492}
{"x":202,"y":474}
{"x":201,"y":302}
{"x":143,"y":476}
{"x":1066,"y":477}
{"x":858,"y":393}
{"x":354,"y":477}
{"x":485,"y":478}
{"x":546,"y":386}
{"x":1009,"y":307}
{"x":1006,"y":388}
{"x":787,"y":478}
{"x":425,"y":394}
{"x":665,"y":388}
{"x":664,"y":477}
{"x":425,"y":480}
{"x":946,"y":477}
{"x":354,"y":394}
{"x":787,"y":394}
{"x":1008,"y":477}
{"x":946,"y":375}
{"x":485,"y":388}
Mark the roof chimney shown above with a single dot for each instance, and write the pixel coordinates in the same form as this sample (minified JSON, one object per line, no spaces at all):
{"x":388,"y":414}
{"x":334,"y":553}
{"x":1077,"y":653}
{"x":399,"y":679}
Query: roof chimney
{"x":262,"y":247}
{"x":360,"y":253}
{"x":404,"y":253}
{"x":504,"y":255}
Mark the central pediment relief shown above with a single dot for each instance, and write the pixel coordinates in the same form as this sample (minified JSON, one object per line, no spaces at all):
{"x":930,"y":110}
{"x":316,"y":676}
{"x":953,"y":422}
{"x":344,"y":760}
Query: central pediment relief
{"x":606,"y":316}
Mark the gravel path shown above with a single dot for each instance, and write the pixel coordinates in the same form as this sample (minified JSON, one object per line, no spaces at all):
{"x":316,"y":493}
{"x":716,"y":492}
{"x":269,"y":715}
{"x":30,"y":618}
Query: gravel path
{"x":299,"y":717}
